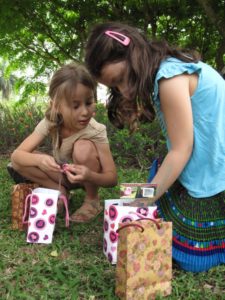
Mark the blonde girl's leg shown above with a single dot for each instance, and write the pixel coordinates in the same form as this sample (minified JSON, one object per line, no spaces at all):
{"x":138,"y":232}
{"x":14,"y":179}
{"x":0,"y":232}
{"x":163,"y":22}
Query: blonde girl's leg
{"x":49,"y":180}
{"x":85,"y":153}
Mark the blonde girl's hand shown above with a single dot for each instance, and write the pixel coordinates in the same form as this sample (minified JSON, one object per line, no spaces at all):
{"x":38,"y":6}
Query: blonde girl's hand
{"x":48,"y":164}
{"x":77,"y":173}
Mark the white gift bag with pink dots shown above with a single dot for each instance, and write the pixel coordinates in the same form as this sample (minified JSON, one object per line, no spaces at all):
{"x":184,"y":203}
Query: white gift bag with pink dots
{"x":116,"y":213}
{"x":42,"y":214}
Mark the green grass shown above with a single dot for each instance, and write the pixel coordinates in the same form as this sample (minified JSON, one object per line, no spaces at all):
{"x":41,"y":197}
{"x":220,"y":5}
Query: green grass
{"x":73,"y":267}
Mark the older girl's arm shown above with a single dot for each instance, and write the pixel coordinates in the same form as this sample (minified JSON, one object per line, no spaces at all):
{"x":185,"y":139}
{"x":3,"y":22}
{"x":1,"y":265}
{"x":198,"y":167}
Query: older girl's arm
{"x":176,"y":107}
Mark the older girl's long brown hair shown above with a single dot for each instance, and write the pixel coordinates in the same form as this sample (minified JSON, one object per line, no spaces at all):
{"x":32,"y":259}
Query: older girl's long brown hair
{"x":143,"y":58}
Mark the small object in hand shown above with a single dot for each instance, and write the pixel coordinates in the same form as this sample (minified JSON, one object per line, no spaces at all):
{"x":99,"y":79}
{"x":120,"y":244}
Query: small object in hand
{"x":63,"y":167}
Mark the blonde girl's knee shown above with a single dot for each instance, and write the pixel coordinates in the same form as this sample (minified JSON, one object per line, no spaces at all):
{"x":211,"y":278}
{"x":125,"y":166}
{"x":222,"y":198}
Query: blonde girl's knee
{"x":84,"y":150}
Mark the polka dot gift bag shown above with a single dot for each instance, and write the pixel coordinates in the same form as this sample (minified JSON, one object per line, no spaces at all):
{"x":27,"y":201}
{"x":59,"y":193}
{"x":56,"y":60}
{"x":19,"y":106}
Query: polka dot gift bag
{"x":42,"y":214}
{"x":144,"y":267}
{"x":116,"y":211}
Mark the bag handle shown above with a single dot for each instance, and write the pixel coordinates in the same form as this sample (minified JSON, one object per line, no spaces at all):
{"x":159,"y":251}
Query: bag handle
{"x":138,"y":225}
{"x":25,"y":209}
{"x":130,"y":225}
{"x":65,"y":202}
{"x":141,"y":217}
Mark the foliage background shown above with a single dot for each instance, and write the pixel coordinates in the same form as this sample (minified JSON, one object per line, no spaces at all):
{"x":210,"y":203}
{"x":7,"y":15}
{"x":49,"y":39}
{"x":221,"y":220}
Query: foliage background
{"x":45,"y":34}
{"x":18,"y":120}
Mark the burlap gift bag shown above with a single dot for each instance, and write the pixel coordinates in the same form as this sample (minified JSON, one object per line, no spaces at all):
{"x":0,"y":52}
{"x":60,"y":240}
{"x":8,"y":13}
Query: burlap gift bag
{"x":144,"y":266}
{"x":18,"y":196}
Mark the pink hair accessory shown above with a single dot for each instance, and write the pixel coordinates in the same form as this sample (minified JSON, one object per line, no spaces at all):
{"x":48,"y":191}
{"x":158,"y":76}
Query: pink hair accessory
{"x":123,"y":39}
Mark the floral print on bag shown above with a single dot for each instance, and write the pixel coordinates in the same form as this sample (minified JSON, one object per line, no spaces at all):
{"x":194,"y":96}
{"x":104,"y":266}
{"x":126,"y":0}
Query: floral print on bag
{"x":144,"y":266}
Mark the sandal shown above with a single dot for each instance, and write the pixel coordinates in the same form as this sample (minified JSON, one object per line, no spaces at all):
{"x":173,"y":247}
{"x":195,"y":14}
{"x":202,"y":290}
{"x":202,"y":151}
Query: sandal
{"x":87,"y":212}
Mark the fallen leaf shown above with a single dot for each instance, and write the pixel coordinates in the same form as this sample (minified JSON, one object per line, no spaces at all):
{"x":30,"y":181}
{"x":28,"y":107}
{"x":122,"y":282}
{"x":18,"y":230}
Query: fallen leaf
{"x":208,"y":286}
{"x":54,"y":253}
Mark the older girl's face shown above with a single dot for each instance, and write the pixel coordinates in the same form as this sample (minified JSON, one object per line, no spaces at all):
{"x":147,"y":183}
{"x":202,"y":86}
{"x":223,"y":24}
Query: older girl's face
{"x":114,"y":75}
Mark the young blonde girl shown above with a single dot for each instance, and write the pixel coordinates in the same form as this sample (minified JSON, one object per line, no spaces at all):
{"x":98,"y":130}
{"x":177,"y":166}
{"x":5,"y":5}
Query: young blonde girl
{"x":81,"y":155}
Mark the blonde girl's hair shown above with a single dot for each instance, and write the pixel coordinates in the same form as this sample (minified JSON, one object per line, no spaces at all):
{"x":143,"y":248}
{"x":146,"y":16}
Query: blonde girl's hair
{"x":61,"y":87}
{"x":143,"y":59}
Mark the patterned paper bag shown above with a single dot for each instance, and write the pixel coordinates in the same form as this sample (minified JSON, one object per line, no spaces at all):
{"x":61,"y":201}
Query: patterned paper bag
{"x":42,"y":214}
{"x":144,"y":266}
{"x":116,"y":212}
{"x":18,"y":196}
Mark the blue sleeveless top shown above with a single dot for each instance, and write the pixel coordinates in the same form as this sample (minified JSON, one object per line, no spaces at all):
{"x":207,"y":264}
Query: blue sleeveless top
{"x":204,"y":174}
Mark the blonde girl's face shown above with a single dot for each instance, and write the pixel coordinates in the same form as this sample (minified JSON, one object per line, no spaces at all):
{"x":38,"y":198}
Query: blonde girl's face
{"x":78,"y":111}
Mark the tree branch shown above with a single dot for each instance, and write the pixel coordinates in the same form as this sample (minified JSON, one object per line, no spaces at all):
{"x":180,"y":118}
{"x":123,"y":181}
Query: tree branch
{"x":213,"y":17}
{"x":41,"y":53}
{"x":46,"y":29}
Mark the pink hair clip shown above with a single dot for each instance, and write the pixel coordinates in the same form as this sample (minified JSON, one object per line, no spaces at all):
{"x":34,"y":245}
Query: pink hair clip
{"x":123,"y":39}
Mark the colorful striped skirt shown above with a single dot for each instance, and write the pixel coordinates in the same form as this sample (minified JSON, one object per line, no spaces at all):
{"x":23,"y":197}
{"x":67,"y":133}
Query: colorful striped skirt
{"x":198,"y":228}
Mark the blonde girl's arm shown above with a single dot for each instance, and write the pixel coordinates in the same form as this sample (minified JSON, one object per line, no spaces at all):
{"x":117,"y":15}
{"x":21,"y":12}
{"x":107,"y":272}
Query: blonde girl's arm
{"x":25,"y":155}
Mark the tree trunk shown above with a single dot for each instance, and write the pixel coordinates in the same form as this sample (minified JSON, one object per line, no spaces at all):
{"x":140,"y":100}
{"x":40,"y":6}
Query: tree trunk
{"x":219,"y":55}
{"x":213,"y":17}
{"x":219,"y":24}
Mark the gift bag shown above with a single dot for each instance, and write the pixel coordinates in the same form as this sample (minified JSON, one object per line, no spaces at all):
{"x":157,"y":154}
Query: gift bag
{"x":42,"y":204}
{"x":144,"y":267}
{"x":137,"y":190}
{"x":18,"y":196}
{"x":115,"y":213}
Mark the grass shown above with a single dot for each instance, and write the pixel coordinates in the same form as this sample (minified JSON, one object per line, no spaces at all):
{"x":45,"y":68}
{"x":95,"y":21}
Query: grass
{"x":73,"y":267}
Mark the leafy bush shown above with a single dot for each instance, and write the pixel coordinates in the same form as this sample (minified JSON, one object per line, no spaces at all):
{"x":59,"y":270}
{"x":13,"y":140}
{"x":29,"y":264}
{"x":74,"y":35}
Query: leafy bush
{"x":138,"y":149}
{"x":17,"y":120}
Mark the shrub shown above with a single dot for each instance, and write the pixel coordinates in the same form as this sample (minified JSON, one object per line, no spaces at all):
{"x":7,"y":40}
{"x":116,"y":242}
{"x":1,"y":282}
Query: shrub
{"x":138,"y":149}
{"x":17,"y":120}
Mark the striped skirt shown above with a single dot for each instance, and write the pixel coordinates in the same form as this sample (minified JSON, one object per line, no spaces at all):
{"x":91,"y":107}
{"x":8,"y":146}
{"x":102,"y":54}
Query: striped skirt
{"x":198,"y":228}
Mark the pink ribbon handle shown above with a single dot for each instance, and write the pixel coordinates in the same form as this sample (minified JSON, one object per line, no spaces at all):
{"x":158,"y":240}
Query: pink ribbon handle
{"x":142,"y":217}
{"x":65,"y":201}
{"x":130,"y":225}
